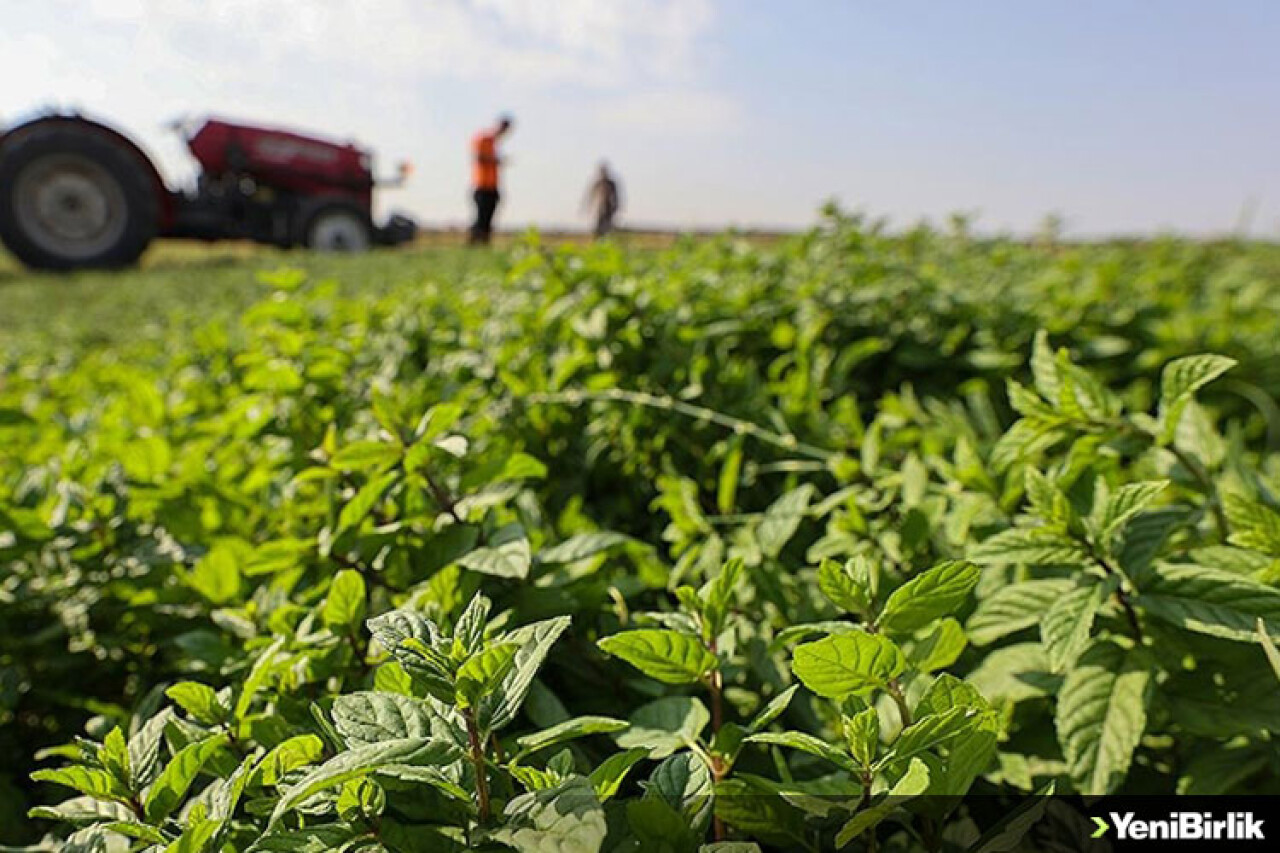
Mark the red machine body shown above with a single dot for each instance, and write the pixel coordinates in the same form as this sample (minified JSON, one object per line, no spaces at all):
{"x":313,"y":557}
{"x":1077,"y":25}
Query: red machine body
{"x":77,"y":193}
{"x":283,"y":160}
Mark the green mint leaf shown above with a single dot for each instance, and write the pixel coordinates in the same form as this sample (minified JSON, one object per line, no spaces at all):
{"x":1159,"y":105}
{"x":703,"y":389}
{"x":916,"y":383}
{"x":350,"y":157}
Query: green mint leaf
{"x":344,"y":607}
{"x":938,"y":592}
{"x":847,"y":663}
{"x":665,"y":726}
{"x":1102,"y":713}
{"x":668,"y":656}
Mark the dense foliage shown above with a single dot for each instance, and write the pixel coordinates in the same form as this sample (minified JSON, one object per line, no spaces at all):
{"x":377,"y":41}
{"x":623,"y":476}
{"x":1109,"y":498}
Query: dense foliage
{"x":609,"y":551}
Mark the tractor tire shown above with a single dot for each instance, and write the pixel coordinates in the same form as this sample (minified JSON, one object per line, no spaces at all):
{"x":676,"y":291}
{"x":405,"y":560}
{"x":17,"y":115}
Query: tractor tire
{"x":71,"y":198}
{"x":329,"y":225}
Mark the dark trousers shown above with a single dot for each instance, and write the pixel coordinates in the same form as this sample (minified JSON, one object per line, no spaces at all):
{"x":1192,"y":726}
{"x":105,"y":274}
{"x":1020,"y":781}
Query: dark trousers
{"x":486,"y":204}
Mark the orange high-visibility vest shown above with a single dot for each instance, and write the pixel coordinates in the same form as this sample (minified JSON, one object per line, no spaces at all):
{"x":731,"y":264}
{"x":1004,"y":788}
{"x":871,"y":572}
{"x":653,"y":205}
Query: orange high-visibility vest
{"x":484,"y":174}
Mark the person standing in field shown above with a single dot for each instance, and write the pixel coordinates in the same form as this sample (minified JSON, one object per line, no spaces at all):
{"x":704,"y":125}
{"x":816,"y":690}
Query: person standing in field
{"x":484,"y":178}
{"x":604,"y":200}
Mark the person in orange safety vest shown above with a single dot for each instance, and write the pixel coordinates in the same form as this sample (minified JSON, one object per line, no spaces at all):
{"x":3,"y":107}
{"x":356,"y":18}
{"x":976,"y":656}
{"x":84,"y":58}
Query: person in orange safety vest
{"x":484,"y":178}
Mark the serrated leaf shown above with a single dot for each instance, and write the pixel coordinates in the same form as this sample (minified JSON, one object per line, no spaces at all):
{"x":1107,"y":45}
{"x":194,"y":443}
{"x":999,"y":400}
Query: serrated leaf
{"x":510,"y":559}
{"x":845,"y":585}
{"x":393,"y":628}
{"x":1126,"y":502}
{"x":1209,"y":601}
{"x":567,"y":818}
{"x":468,"y":632}
{"x":774,"y":709}
{"x":1101,"y":715}
{"x":609,"y":775}
{"x":930,"y":731}
{"x":582,"y":546}
{"x":684,"y":783}
{"x":1031,"y":545}
{"x":366,"y":718}
{"x":1253,"y":524}
{"x":1044,"y":366}
{"x":533,"y":643}
{"x":806,"y":743}
{"x":1142,"y":538}
{"x":782,"y":519}
{"x":200,"y":701}
{"x":176,"y":777}
{"x":668,"y":656}
{"x":361,"y":800}
{"x":1015,"y":674}
{"x":533,"y":779}
{"x":937,"y":592}
{"x":1013,"y":608}
{"x":1179,"y":380}
{"x":665,"y":725}
{"x":87,"y":780}
{"x":258,"y":675}
{"x":1026,"y":439}
{"x":718,"y":595}
{"x":566,"y":731}
{"x":1027,"y":402}
{"x":83,"y":809}
{"x":805,"y":630}
{"x":344,"y":606}
{"x":913,"y":783}
{"x":847,"y":663}
{"x":297,"y":751}
{"x":483,"y":671}
{"x":862,"y":735}
{"x":198,"y":833}
{"x":415,"y":752}
{"x":144,"y":749}
{"x":1047,"y":500}
{"x":947,"y":692}
{"x":1068,"y":623}
{"x":135,"y":830}
{"x":365,"y":500}
{"x":114,"y":755}
{"x":940,"y":648}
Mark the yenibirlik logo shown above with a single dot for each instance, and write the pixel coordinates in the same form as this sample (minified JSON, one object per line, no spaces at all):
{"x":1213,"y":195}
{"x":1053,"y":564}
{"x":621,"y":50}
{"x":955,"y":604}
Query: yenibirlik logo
{"x":1182,"y":826}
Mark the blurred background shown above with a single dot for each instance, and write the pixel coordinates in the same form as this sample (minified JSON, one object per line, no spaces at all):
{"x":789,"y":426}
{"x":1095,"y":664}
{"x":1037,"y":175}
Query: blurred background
{"x":1121,"y":117}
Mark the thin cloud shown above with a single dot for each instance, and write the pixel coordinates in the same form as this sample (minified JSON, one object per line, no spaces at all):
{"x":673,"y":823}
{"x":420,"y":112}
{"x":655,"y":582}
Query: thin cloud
{"x":517,"y":42}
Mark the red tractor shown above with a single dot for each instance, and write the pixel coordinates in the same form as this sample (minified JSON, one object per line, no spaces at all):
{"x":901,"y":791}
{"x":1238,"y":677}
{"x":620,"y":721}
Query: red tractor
{"x":75,"y":193}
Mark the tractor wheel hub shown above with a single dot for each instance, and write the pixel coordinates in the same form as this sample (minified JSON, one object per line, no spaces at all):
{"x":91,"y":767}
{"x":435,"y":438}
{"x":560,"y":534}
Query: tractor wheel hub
{"x":70,"y":205}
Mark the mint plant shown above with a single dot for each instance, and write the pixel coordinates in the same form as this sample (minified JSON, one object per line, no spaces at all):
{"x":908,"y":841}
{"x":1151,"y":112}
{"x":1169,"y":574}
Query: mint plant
{"x":727,"y":547}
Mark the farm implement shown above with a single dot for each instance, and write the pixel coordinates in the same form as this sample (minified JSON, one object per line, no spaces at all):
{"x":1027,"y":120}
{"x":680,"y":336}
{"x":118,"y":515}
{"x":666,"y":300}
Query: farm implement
{"x":77,"y":193}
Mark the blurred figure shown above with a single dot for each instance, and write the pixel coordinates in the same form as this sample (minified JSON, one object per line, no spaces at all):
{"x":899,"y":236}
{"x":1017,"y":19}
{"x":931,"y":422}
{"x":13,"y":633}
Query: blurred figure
{"x":603,"y":200}
{"x":484,"y":178}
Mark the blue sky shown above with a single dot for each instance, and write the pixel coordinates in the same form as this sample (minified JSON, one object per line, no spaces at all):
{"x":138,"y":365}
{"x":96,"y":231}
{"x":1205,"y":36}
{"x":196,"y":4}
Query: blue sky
{"x":1121,"y":116}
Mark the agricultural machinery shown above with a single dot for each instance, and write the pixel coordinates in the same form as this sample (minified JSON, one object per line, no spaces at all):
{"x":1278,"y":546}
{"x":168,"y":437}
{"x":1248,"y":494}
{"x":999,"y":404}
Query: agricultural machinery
{"x":76,"y":193}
